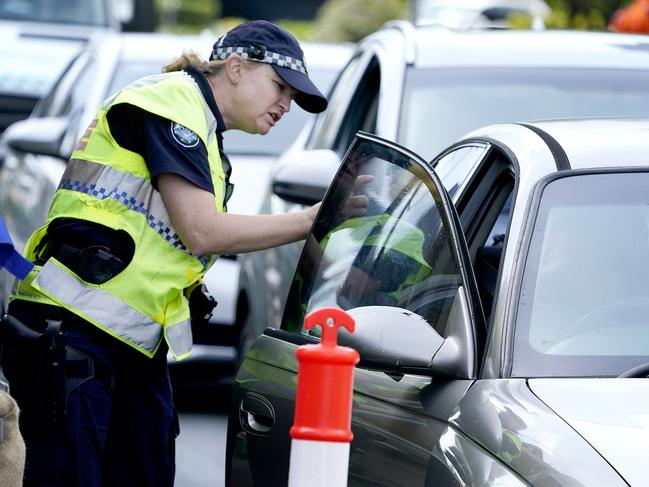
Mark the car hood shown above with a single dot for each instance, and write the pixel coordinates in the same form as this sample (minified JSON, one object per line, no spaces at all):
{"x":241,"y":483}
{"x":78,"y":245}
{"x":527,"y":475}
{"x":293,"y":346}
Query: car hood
{"x":29,"y":64}
{"x":612,"y":415}
{"x":251,"y":178}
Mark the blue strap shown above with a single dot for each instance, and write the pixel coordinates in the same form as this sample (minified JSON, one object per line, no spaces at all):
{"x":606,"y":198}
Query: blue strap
{"x":10,"y":259}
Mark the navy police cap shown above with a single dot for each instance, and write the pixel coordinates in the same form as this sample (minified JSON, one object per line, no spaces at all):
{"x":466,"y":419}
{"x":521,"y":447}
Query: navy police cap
{"x":265,"y":42}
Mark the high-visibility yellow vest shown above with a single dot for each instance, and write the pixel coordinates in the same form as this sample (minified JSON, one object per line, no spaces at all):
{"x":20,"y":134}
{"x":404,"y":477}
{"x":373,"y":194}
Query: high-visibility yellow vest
{"x":107,"y":184}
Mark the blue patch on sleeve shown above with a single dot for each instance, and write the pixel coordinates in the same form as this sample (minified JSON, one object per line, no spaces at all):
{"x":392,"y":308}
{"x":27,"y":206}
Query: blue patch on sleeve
{"x":183,"y":136}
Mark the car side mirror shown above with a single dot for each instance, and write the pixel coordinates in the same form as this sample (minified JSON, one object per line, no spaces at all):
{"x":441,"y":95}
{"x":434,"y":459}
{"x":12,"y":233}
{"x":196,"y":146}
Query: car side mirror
{"x":395,"y":340}
{"x":303,"y":176}
{"x":42,"y":136}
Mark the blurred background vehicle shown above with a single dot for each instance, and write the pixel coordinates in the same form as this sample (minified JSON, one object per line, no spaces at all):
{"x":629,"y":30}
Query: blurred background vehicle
{"x":424,"y":87}
{"x":39,"y":38}
{"x":38,"y":149}
{"x":478,"y":14}
{"x":519,"y":358}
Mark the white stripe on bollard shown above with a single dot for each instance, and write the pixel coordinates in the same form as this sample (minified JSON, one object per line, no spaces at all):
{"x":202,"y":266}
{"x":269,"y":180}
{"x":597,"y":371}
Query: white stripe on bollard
{"x":329,"y":469}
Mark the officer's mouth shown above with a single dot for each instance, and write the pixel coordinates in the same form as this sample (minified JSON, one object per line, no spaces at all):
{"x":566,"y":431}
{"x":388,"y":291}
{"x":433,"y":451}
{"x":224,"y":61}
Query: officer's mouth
{"x":274,"y":117}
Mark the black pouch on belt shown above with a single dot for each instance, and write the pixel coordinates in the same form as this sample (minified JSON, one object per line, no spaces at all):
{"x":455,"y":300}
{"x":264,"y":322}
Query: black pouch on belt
{"x":94,"y":264}
{"x":43,"y":371}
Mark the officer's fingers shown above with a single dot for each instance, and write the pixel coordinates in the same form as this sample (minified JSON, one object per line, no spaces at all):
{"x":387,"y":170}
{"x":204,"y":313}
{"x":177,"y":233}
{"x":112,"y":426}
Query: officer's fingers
{"x":356,"y":206}
{"x":362,"y":180}
{"x":359,"y":201}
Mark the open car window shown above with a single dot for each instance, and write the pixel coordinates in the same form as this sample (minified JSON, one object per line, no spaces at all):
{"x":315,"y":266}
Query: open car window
{"x":385,"y":235}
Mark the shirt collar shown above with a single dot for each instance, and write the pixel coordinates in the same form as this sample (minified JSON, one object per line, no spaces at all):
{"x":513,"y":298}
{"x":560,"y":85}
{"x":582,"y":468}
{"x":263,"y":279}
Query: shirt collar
{"x":206,"y":90}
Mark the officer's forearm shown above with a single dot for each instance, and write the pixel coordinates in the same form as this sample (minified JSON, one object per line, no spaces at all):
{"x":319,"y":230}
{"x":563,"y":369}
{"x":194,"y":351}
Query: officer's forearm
{"x":234,"y":234}
{"x":205,"y":231}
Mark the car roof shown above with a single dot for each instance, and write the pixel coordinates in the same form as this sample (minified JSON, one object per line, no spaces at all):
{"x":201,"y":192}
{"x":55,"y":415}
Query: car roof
{"x":591,"y":143}
{"x":435,"y":46}
{"x":587,"y":144}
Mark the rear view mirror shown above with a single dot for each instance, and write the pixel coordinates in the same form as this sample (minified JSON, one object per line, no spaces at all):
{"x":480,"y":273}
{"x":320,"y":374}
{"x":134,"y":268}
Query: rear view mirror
{"x":303,"y":177}
{"x":42,"y":136}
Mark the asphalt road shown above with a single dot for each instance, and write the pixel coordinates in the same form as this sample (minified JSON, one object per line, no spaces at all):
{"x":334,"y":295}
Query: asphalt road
{"x":200,"y":447}
{"x":200,"y":450}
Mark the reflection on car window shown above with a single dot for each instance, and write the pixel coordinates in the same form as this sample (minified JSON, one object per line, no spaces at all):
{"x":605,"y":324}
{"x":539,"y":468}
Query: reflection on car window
{"x":455,"y":167}
{"x":585,"y":296}
{"x":396,"y":252}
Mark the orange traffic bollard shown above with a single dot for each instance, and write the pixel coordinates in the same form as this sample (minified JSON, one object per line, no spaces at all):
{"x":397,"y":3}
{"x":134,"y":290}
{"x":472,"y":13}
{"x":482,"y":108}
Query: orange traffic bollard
{"x":321,"y":431}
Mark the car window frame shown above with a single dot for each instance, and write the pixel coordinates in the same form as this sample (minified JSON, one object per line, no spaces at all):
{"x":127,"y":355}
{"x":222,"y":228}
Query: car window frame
{"x":327,"y":127}
{"x":457,"y":242}
{"x":52,"y":104}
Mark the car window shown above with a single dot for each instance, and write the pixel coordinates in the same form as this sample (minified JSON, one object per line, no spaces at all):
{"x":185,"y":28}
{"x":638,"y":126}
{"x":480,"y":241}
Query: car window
{"x":362,"y":110}
{"x":455,"y":167}
{"x":584,"y":299}
{"x":328,"y":124}
{"x":441,"y":104}
{"x":398,"y":252}
{"x":58,"y":98}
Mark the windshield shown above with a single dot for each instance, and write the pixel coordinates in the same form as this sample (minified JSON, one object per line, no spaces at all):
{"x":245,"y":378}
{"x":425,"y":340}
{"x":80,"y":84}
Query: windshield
{"x":584,"y":303}
{"x":285,"y":132}
{"x":442,"y":105}
{"x":84,"y":12}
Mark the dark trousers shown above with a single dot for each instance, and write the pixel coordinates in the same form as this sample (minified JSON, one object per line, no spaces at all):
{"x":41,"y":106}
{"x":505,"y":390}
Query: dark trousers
{"x":113,"y":434}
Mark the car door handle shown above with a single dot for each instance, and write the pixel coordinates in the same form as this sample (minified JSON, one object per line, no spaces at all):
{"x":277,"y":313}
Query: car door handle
{"x":257,"y":414}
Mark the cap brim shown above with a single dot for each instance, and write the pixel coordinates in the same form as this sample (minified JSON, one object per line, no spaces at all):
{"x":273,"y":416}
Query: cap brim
{"x":308,"y":96}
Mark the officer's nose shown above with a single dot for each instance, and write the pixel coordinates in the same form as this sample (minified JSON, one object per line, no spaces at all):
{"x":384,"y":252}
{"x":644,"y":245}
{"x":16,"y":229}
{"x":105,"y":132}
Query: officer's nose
{"x":285,"y":103}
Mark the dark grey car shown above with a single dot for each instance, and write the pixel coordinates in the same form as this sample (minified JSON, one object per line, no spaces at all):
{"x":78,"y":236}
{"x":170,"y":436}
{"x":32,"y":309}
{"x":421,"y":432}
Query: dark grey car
{"x":501,"y":302}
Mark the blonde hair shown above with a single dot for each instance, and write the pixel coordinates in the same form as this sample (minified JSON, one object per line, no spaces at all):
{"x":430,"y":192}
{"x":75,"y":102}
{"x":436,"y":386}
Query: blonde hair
{"x":208,"y":68}
{"x":190,"y":58}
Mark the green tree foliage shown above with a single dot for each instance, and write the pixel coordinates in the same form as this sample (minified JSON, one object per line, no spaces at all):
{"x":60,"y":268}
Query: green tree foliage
{"x":187,"y":16}
{"x":575,"y":14}
{"x":351,"y":20}
{"x":582,"y":14}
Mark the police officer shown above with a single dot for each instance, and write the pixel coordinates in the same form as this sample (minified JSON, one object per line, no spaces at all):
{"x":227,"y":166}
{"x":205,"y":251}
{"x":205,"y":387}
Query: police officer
{"x":138,"y":218}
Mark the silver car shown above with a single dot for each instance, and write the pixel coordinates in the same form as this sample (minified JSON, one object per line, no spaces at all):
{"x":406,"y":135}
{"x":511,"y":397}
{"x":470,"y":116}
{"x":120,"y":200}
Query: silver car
{"x":424,"y":87}
{"x":501,"y":300}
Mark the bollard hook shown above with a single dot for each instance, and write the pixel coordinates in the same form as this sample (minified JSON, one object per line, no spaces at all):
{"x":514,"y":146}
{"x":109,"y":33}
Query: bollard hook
{"x":329,"y":320}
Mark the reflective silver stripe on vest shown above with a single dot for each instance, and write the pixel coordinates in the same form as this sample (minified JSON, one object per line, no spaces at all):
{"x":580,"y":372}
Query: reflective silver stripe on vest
{"x":102,"y":307}
{"x":136,"y":194}
{"x":179,"y":338}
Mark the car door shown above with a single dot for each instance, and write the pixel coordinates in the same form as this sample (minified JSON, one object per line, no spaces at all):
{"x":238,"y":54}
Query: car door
{"x":404,"y":251}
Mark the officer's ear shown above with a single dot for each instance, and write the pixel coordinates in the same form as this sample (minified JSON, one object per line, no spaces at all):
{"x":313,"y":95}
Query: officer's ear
{"x":233,"y":68}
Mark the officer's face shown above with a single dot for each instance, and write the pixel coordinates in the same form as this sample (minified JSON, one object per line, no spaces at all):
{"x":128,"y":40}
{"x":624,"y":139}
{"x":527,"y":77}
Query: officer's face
{"x":264,"y":98}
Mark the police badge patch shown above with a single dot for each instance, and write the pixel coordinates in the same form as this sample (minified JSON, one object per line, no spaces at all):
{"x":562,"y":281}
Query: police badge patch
{"x":184,"y":136}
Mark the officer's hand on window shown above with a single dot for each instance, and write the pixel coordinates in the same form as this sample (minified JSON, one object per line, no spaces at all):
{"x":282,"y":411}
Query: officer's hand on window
{"x":357,"y":204}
